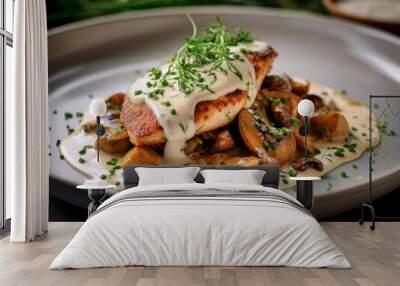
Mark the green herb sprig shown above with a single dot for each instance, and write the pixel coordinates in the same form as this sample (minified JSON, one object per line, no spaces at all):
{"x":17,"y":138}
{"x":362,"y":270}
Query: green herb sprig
{"x":195,"y":65}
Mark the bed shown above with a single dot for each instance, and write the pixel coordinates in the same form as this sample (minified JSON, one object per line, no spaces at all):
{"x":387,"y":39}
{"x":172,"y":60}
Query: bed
{"x":201,"y":224}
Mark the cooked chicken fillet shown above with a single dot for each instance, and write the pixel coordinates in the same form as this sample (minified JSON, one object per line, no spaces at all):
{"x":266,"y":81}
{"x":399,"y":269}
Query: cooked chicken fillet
{"x":144,"y":128}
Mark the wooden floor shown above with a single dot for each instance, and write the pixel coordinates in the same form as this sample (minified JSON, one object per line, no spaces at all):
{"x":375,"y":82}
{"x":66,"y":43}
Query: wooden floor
{"x":375,"y":257}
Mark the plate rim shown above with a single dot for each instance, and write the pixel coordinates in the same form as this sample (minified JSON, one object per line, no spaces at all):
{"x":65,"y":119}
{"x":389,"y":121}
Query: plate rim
{"x":227,"y":9}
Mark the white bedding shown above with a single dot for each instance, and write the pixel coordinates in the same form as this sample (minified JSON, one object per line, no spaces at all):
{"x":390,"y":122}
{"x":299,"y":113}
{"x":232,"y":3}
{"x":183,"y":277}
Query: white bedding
{"x":183,"y":231}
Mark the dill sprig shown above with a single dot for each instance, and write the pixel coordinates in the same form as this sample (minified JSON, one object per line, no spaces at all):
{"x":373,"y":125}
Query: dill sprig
{"x":195,"y":65}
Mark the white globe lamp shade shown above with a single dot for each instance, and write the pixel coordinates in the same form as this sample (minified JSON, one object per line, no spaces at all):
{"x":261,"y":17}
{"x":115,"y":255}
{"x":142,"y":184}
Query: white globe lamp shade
{"x":305,"y":108}
{"x":98,"y":107}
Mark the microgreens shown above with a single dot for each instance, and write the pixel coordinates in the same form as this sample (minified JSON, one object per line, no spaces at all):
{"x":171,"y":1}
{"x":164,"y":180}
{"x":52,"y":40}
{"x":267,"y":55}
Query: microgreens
{"x":195,"y":65}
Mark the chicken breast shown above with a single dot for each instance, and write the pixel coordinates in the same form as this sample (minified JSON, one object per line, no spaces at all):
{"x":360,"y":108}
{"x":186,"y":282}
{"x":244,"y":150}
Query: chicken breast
{"x":144,"y":129}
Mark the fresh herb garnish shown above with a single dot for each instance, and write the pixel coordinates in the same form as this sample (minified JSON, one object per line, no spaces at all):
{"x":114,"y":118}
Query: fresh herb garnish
{"x":351,"y":147}
{"x":166,"y":103}
{"x":84,"y":149}
{"x":292,"y":173}
{"x":294,"y":120}
{"x":211,"y":48}
{"x":339,"y":153}
{"x":81,"y":160}
{"x":112,"y":161}
{"x":183,"y":126}
{"x":228,"y":116}
{"x":103,"y":177}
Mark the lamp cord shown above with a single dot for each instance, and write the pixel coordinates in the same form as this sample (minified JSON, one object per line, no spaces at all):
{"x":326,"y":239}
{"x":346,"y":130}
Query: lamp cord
{"x":305,"y":138}
{"x":98,"y":137}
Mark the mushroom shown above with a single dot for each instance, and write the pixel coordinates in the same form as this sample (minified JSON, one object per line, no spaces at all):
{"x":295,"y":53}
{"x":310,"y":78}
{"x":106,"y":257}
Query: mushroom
{"x":115,"y":140}
{"x":330,"y":126}
{"x":270,"y":144}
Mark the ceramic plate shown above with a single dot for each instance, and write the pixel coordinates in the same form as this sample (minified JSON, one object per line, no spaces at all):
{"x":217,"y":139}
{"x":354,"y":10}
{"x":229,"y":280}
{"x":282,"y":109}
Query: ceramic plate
{"x":101,"y":56}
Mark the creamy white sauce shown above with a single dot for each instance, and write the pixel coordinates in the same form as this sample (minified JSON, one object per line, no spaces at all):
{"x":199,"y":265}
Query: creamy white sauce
{"x":383,"y":10}
{"x":357,"y":116}
{"x":175,"y":110}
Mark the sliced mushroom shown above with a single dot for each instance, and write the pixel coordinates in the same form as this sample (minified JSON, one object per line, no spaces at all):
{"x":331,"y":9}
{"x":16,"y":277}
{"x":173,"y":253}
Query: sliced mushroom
{"x":252,"y":136}
{"x":270,"y":144}
{"x":299,"y":88}
{"x":302,"y":164}
{"x":114,"y":141}
{"x":330,"y":126}
{"x":317,"y":100}
{"x":283,"y":97}
{"x":276,"y":82}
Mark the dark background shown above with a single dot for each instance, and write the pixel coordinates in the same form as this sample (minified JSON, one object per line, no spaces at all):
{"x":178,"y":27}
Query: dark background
{"x":61,"y":12}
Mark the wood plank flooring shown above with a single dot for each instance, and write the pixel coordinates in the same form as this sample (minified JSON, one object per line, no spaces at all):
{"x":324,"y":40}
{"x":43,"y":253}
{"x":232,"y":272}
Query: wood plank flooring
{"x":375,"y":257}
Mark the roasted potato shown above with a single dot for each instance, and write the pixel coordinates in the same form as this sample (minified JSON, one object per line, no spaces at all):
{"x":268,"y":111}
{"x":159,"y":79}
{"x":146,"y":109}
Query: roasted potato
{"x":140,"y":156}
{"x":330,"y":126}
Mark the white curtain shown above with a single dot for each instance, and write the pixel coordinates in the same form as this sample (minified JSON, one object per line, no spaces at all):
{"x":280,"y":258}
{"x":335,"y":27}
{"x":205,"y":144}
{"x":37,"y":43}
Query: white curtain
{"x":27,"y":123}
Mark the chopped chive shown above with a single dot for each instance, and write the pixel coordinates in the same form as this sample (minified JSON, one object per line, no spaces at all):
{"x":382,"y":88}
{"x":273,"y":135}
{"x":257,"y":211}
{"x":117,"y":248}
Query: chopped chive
{"x":173,"y":111}
{"x":166,"y":103}
{"x":103,"y":177}
{"x":81,"y":160}
{"x":183,"y":126}
{"x":339,"y":153}
{"x":294,"y":120}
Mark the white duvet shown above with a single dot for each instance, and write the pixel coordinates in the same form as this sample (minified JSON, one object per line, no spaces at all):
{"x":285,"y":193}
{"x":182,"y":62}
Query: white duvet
{"x":191,"y":231}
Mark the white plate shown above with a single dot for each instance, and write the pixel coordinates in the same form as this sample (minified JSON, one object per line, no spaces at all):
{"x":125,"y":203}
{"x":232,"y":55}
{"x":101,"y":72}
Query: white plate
{"x":104,"y":55}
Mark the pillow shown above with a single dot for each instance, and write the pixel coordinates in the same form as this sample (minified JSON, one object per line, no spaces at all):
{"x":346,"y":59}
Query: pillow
{"x":164,"y":176}
{"x":248,"y":177}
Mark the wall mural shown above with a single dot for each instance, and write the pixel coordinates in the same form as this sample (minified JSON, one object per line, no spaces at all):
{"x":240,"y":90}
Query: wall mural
{"x":242,"y":110}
